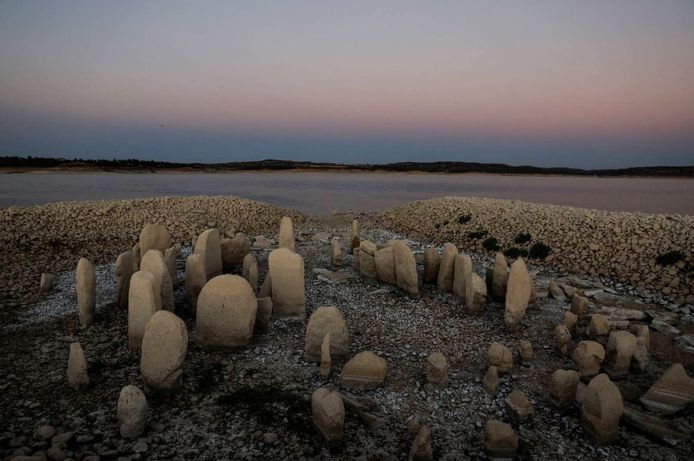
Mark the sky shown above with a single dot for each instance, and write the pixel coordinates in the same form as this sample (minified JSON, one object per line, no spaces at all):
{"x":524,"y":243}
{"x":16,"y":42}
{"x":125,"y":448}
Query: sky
{"x":590,"y":83}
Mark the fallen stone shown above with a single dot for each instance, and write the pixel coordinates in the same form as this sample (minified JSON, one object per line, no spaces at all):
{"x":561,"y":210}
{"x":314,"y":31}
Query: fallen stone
{"x":518,"y":289}
{"x":659,"y":428}
{"x":365,"y":370}
{"x":562,"y":388}
{"x":77,"y":375}
{"x":685,"y":342}
{"x":287,"y":274}
{"x":437,"y":370}
{"x":601,"y":409}
{"x":447,"y":268}
{"x":500,"y":440}
{"x":432,"y":261}
{"x":328,"y":414}
{"x":500,"y":356}
{"x":363,"y":408}
{"x":86,"y":292}
{"x":164,"y":348}
{"x":671,"y":393}
{"x":332,"y":277}
{"x":124,"y":270}
{"x":518,"y":405}
{"x":664,"y":327}
{"x":588,"y":357}
{"x":132,"y":412}
{"x":326,"y":320}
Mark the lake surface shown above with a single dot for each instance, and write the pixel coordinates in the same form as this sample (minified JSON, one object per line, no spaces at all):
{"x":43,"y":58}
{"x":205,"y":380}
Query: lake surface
{"x":326,"y":192}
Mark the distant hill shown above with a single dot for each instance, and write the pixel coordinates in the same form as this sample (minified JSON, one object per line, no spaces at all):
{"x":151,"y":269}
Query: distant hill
{"x":9,"y":163}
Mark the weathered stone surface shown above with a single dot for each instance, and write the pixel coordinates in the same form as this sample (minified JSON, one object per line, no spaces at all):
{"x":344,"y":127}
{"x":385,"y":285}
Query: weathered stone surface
{"x":367,"y":263}
{"x":421,"y":446}
{"x":601,"y":409}
{"x":250,"y":271}
{"x":326,"y":320}
{"x":562,"y":387}
{"x":588,"y":357}
{"x":447,"y":268}
{"x":124,"y":270}
{"x":154,"y":237}
{"x":518,"y":291}
{"x":263,"y":316}
{"x":518,"y":405}
{"x":432,"y":261}
{"x":556,"y":292}
{"x":355,"y":235}
{"x":461,"y":272}
{"x":475,"y":294}
{"x":328,"y":414}
{"x":598,"y":326}
{"x":385,"y":266}
{"x":210,"y":247}
{"x":500,"y":356}
{"x":86,"y":292}
{"x":325,"y":358}
{"x":405,"y":269}
{"x":153,"y":262}
{"x":671,"y":393}
{"x":579,"y":306}
{"x":335,"y":253}
{"x":639,"y":360}
{"x":500,"y":277}
{"x":286,"y":239}
{"x":641,"y":331}
{"x":365,"y":370}
{"x":525,"y":350}
{"x":132,"y":412}
{"x":47,"y":281}
{"x":490,"y":383}
{"x":562,"y":339}
{"x":144,"y":301}
{"x":368,"y":246}
{"x":170,"y":257}
{"x":437,"y":370}
{"x":570,"y":320}
{"x":77,"y":375}
{"x":195,"y":279}
{"x":287,"y":274}
{"x":235,"y":250}
{"x":226,"y":312}
{"x":164,"y":348}
{"x":500,"y":440}
{"x":620,"y":350}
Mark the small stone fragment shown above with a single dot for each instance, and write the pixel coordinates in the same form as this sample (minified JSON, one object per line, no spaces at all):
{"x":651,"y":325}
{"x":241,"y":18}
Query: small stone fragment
{"x":601,"y":409}
{"x":579,"y":306}
{"x":588,"y":357}
{"x":671,"y":393}
{"x":500,"y":439}
{"x":421,"y":446}
{"x":639,"y":360}
{"x":525,"y":350}
{"x":365,"y":370}
{"x":437,"y":370}
{"x":556,"y":292}
{"x":562,"y":388}
{"x":562,"y":339}
{"x":47,"y":281}
{"x":570,"y":320}
{"x":132,"y":412}
{"x":500,"y":356}
{"x":328,"y":414}
{"x":518,"y":405}
{"x":620,"y":350}
{"x":77,"y":375}
{"x":598,"y":326}
{"x":490,"y":383}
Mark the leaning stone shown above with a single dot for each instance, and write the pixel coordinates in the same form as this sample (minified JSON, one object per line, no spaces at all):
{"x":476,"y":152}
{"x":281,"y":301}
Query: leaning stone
{"x":437,"y":370}
{"x":328,"y":414}
{"x":562,"y":339}
{"x":671,"y":393}
{"x":385,"y":266}
{"x":250,"y":271}
{"x":195,"y":279}
{"x":355,"y":242}
{"x":263,"y":316}
{"x":475,"y":294}
{"x":601,"y":409}
{"x":154,"y":237}
{"x":325,"y":358}
{"x":209,"y":246}
{"x":588,"y":357}
{"x":556,"y":292}
{"x":405,"y":269}
{"x":235,"y":250}
{"x":447,"y":268}
{"x":432,"y":261}
{"x":500,"y":277}
{"x":518,"y":291}
{"x":639,"y":360}
{"x":77,"y":375}
{"x":164,"y":348}
{"x":421,"y":446}
{"x":579,"y":306}
{"x":461,"y":272}
{"x":500,"y":440}
{"x":47,"y":281}
{"x":500,"y":356}
{"x":367,"y":264}
{"x":226,"y":312}
{"x":620,"y":349}
{"x":170,"y":257}
{"x":287,"y":274}
{"x":326,"y":320}
{"x":562,"y":387}
{"x":598,"y":326}
{"x":570,"y":320}
{"x":368,"y":246}
{"x":525,"y":350}
{"x":661,"y":429}
{"x":335,"y":253}
{"x":286,"y":239}
{"x":490,"y":383}
{"x":153,"y":262}
{"x":365,"y":370}
{"x":132,"y":412}
{"x":144,"y":301}
{"x":518,"y":405}
{"x":86,"y":292}
{"x":124,"y":270}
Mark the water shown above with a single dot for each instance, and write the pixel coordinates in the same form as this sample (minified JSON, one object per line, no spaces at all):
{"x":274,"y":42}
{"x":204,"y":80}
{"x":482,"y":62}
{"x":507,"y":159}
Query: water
{"x":327,"y":192}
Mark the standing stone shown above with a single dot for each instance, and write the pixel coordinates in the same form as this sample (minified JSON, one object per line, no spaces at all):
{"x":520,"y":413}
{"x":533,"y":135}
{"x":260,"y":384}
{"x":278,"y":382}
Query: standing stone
{"x":588,"y":357}
{"x":641,"y":331}
{"x":266,"y":287}
{"x":124,"y":270}
{"x":500,"y":439}
{"x":355,"y":260}
{"x":263,"y":316}
{"x":639,"y":360}
{"x":250,"y":271}
{"x":328,"y":412}
{"x":47,"y":281}
{"x":447,"y":268}
{"x":326,"y":320}
{"x":355,"y":243}
{"x":154,"y":237}
{"x":164,"y":348}
{"x":461,"y":272}
{"x":385,"y":266}
{"x":500,"y":356}
{"x":287,"y":273}
{"x":579,"y":306}
{"x":365,"y":370}
{"x":144,"y":300}
{"x":153,"y":262}
{"x":195,"y":279}
{"x":601,"y":409}
{"x":490,"y":383}
{"x":325,"y":358}
{"x":286,"y":239}
{"x":77,"y":375}
{"x":475,"y":294}
{"x":132,"y":412}
{"x":367,"y":264}
{"x":235,"y":250}
{"x":525,"y":350}
{"x":518,"y":405}
{"x":86,"y":292}
{"x":562,"y":339}
{"x":499,"y":277}
{"x":432,"y":261}
{"x":421,"y":446}
{"x":335,"y":253}
{"x":170,"y":259}
{"x":518,"y":290}
{"x":620,"y":350}
{"x":570,"y":320}
{"x":209,"y":246}
{"x":671,"y":393}
{"x":405,"y":269}
{"x":226,"y":312}
{"x":137,"y":257}
{"x":562,"y":387}
{"x":437,"y":370}
{"x":598,"y":326}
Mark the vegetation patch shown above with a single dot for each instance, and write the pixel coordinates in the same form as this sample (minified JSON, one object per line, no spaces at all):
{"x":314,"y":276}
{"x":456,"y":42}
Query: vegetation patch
{"x":539,"y":251}
{"x":516,"y":252}
{"x":522,"y":238}
{"x":491,"y":244}
{"x":669,"y":258}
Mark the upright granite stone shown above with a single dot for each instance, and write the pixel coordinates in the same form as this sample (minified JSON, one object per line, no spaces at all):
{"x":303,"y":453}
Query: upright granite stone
{"x":518,"y":288}
{"x":500,"y":356}
{"x":405,"y":269}
{"x":355,"y":260}
{"x":588,"y":357}
{"x":328,"y":412}
{"x":562,"y":388}
{"x":518,"y":405}
{"x":209,"y":246}
{"x":579,"y":306}
{"x":562,"y":339}
{"x":601,"y":409}
{"x":137,"y":257}
{"x":326,"y":320}
{"x":671,"y":393}
{"x":86,"y":292}
{"x":226,"y":312}
{"x":641,"y":331}
{"x":287,"y":274}
{"x":164,"y":348}
{"x":570,"y":320}
{"x":154,"y":237}
{"x":265,"y":290}
{"x":525,"y":350}
{"x":490,"y":383}
{"x":132,"y":412}
{"x":144,"y":301}
{"x":250,"y":271}
{"x":170,"y":257}
{"x":335,"y":253}
{"x":355,"y":241}
{"x":286,"y":239}
{"x":365,"y":370}
{"x":461,"y":272}
{"x":499,"y":277}
{"x":77,"y":374}
{"x":500,"y":440}
{"x":475,"y":294}
{"x":437,"y":370}
{"x":432,"y":261}
{"x":153,"y":262}
{"x":421,"y":446}
{"x":326,"y":360}
{"x":263,"y":316}
{"x":235,"y":250}
{"x":598,"y":326}
{"x":385,"y":266}
{"x":367,"y":262}
{"x":639,"y":361}
{"x":620,"y":350}
{"x":195,"y":278}
{"x":447,"y":268}
{"x":124,"y":270}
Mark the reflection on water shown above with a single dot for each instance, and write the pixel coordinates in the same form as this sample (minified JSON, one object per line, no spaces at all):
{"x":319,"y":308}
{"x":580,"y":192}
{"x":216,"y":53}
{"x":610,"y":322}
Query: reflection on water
{"x":326,"y":192}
